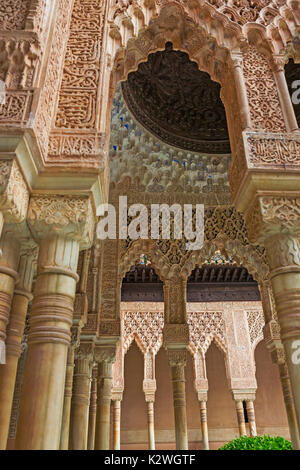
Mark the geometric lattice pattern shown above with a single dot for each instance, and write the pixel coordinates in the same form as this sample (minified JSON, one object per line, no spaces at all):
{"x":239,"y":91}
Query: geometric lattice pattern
{"x":145,"y":327}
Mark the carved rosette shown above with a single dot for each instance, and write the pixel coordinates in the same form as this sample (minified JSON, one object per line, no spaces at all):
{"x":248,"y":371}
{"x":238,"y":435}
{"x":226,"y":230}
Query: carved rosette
{"x":14,"y":194}
{"x":70,"y":216}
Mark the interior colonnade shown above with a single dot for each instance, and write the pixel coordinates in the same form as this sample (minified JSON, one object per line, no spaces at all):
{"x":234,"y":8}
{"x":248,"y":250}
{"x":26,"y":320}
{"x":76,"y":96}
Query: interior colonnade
{"x":54,"y":175}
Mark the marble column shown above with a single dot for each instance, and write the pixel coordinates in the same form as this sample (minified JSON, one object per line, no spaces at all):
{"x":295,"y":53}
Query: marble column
{"x":9,"y":261}
{"x":284,"y":96}
{"x":117,"y":423}
{"x":251,"y":417}
{"x":80,"y":397}
{"x":289,"y":404}
{"x":92,"y":409}
{"x":65,"y":425}
{"x":48,"y":341}
{"x":204,"y":428}
{"x":283,"y":253}
{"x":275,"y":346}
{"x":150,"y":421}
{"x":104,"y":395}
{"x":15,"y":329}
{"x":241,"y":91}
{"x":149,"y":388}
{"x":177,"y":362}
{"x":240,"y":417}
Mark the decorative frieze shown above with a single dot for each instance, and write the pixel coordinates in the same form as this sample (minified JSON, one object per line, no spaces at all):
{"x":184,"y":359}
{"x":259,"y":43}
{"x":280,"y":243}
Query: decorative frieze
{"x":80,"y":92}
{"x":272,"y":150}
{"x":264,"y":104}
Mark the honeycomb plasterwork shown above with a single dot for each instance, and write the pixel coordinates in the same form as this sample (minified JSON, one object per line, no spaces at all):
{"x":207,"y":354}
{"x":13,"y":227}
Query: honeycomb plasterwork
{"x":160,"y":167}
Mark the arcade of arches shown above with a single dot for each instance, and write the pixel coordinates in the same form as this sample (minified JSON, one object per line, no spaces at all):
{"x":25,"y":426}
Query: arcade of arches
{"x":134,"y":344}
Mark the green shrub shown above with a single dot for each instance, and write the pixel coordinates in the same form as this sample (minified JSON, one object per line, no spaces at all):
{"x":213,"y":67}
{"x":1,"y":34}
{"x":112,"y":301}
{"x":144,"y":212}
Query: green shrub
{"x":258,"y":443}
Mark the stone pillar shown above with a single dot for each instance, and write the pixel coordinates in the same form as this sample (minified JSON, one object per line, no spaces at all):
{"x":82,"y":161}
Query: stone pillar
{"x":150,"y":421}
{"x":240,"y":417}
{"x":117,"y":422}
{"x":117,"y":393}
{"x":80,"y":397}
{"x":275,"y":346}
{"x":201,"y":384}
{"x":284,"y":95}
{"x":283,"y":252}
{"x":61,"y":223}
{"x":17,"y":395}
{"x":105,"y":358}
{"x":177,"y":362}
{"x":149,"y":388}
{"x":241,"y":90}
{"x":289,"y":404}
{"x":204,"y":428}
{"x":92,"y":410}
{"x":251,"y":417}
{"x":15,"y":330}
{"x":65,"y":425}
{"x":8,"y":276}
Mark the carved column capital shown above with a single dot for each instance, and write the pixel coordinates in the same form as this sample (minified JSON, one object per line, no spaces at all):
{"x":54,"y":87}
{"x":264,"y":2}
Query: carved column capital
{"x":68,"y":216}
{"x":273,"y":215}
{"x":177,"y":357}
{"x":243,"y":394}
{"x":149,"y":389}
{"x":14,"y":193}
{"x":104,"y":353}
{"x":75,"y":335}
{"x":85,"y":350}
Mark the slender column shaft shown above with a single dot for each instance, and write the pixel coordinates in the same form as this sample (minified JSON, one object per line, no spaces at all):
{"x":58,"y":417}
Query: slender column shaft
{"x":92,"y":410}
{"x":284,"y":262}
{"x":285,"y":99}
{"x":151,"y":434}
{"x":1,"y":223}
{"x":240,"y":417}
{"x":80,"y":404}
{"x":8,"y":275}
{"x":8,"y":371}
{"x":16,"y":399}
{"x":116,"y":424}
{"x":241,"y":93}
{"x":289,"y":405}
{"x":48,"y":341}
{"x":178,"y":381}
{"x":251,"y":417}
{"x":104,"y":386}
{"x":203,"y":417}
{"x":65,"y":426}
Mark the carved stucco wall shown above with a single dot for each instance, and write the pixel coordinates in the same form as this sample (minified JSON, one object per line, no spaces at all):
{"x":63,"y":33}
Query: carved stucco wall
{"x":236,"y":328}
